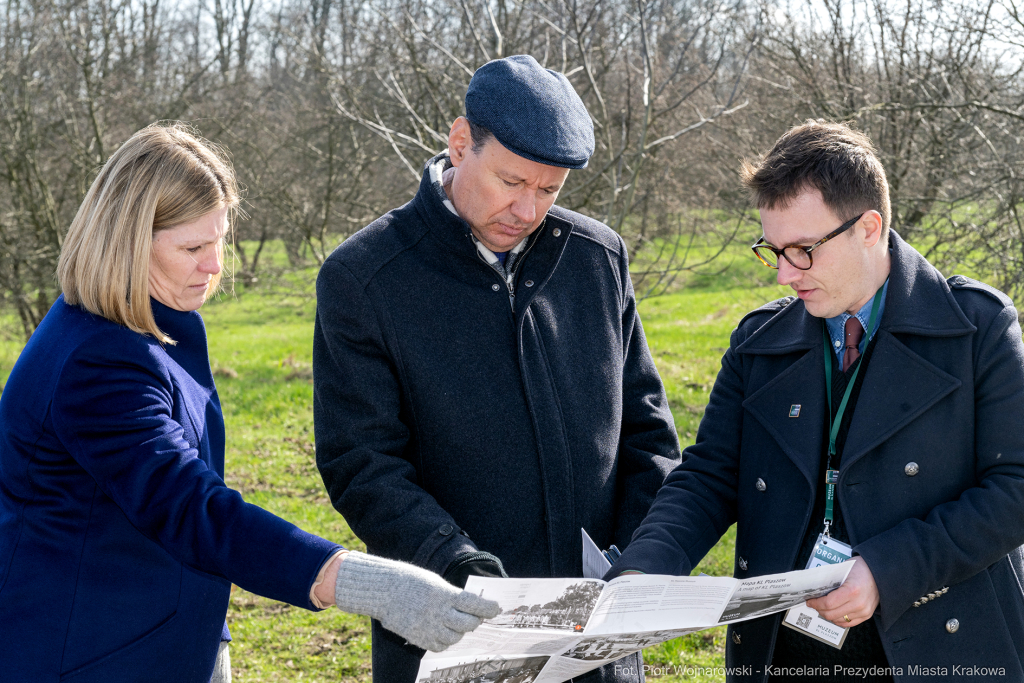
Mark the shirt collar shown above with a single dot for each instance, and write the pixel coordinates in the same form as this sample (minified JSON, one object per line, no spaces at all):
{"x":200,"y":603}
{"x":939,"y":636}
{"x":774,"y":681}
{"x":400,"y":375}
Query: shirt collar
{"x":837,"y":326}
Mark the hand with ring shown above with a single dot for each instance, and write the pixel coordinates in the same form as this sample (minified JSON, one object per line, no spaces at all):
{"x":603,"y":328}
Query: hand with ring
{"x":852,"y":603}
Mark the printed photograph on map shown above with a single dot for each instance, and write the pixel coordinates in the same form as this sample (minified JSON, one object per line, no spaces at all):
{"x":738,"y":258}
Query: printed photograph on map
{"x":512,"y":670}
{"x":567,"y":608}
{"x":602,"y":648}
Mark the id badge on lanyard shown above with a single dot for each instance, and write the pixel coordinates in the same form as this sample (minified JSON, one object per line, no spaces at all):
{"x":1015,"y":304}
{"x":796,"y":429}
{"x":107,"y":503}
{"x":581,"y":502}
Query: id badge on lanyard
{"x":828,"y":550}
{"x":806,"y":620}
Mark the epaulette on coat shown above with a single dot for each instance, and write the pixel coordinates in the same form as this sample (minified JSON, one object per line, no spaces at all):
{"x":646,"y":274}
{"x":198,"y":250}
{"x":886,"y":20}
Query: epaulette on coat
{"x":768,"y":310}
{"x":963,"y":282}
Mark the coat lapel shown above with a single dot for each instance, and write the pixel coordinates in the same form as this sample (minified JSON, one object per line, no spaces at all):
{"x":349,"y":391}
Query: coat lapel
{"x":900,"y":384}
{"x":898,"y":387}
{"x":798,"y":385}
{"x":791,"y":331}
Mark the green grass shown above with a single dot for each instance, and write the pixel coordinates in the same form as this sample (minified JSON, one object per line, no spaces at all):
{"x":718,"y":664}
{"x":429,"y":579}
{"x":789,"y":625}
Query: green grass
{"x":261,"y":349}
{"x":261,"y":352}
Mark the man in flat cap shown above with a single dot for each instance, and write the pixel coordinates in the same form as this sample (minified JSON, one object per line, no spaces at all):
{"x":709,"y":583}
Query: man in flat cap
{"x":483,"y":386}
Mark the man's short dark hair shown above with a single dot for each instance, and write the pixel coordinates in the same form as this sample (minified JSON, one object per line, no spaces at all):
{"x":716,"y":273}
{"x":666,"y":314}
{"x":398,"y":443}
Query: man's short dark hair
{"x":480,"y":136}
{"x":834,"y":159}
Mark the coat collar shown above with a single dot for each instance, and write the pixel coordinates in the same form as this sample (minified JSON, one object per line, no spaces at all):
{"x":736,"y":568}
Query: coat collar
{"x":918,"y":302}
{"x":445,"y":226}
{"x":453,"y":233}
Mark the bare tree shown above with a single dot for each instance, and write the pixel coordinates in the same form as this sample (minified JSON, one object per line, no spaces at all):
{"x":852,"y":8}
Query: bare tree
{"x":651,"y":73}
{"x":330,"y":107}
{"x":938,"y":92}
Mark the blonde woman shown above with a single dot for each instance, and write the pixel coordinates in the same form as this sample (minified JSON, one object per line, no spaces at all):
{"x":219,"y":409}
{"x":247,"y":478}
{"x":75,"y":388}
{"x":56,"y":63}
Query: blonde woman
{"x":118,"y":537}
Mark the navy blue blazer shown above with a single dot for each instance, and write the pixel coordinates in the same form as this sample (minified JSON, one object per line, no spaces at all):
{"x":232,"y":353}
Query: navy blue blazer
{"x":118,"y":537}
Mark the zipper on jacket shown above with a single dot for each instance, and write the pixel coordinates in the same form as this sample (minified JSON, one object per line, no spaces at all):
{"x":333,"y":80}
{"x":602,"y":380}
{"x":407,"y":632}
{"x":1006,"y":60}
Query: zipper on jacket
{"x":509,"y":283}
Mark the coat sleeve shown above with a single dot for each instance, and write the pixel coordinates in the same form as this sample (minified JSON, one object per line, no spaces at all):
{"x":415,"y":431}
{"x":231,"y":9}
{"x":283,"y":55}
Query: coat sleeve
{"x":363,"y":445}
{"x":697,"y":503}
{"x":958,"y":539}
{"x":113,"y":411}
{"x":649,"y":444}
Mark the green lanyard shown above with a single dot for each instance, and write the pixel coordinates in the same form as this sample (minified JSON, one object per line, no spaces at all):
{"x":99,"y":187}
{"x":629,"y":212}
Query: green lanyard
{"x":831,"y":475}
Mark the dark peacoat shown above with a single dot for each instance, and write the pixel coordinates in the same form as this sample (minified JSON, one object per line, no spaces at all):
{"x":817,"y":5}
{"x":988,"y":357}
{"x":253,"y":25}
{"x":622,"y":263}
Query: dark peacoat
{"x":945,"y":390}
{"x":448,"y":421}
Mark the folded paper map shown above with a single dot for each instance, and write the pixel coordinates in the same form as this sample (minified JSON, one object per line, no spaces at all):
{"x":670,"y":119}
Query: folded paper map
{"x":551,"y":630}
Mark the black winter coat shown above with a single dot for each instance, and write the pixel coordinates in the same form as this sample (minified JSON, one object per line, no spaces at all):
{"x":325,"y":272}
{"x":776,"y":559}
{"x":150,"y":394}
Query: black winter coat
{"x":447,"y":421}
{"x":945,"y":390}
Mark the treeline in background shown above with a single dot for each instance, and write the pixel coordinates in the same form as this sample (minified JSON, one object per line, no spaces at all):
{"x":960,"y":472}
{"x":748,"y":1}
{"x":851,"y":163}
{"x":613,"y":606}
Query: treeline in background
{"x":328,"y":109}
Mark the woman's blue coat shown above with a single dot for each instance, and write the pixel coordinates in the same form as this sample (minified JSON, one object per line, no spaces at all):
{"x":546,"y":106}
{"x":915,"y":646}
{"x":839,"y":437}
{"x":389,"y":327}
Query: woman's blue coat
{"x":118,"y":537}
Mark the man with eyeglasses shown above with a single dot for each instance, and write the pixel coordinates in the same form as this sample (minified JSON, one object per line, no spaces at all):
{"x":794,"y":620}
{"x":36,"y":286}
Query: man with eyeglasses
{"x":881,"y":408}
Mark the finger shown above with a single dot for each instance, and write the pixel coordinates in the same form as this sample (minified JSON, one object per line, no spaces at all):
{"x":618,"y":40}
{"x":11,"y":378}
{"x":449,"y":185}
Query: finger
{"x":474,"y":604}
{"x":836,"y":613}
{"x":848,"y":614}
{"x":460,"y":621}
{"x":837,"y":605}
{"x":831,"y":601}
{"x":443,"y":639}
{"x":849,"y":620}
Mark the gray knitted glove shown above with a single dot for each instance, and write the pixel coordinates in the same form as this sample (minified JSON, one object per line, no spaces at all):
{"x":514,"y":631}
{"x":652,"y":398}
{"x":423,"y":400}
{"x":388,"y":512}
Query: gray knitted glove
{"x":416,"y":604}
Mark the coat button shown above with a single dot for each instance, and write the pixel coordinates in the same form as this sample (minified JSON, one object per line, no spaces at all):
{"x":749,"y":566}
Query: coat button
{"x":446,"y":530}
{"x":557,"y":232}
{"x":495,"y":286}
{"x":736,"y":638}
{"x":911,"y":469}
{"x":760,"y":485}
{"x":529,"y":283}
{"x":952,"y":625}
{"x":743,"y":564}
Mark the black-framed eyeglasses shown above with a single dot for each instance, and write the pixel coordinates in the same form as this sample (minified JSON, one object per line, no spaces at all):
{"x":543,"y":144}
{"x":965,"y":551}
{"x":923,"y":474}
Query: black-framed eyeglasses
{"x":798,"y":256}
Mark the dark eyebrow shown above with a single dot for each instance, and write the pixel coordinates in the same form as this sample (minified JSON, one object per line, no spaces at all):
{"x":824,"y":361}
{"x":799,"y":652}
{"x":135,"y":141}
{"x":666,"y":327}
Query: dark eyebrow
{"x":505,"y":175}
{"x":801,"y":242}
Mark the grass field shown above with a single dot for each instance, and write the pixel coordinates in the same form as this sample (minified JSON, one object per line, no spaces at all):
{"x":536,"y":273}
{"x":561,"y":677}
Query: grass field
{"x":261,"y":350}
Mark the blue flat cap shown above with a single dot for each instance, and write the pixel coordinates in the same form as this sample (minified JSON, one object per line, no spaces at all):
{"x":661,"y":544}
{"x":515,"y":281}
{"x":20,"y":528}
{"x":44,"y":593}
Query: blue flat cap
{"x":532,"y":111}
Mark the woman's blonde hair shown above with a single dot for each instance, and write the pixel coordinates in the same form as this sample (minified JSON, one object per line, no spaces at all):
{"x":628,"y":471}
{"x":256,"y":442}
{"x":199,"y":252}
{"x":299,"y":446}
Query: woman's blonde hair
{"x":162,"y":177}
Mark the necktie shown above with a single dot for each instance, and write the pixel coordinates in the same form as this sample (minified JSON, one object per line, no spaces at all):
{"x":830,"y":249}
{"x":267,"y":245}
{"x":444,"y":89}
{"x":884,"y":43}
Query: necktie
{"x":854,"y":332}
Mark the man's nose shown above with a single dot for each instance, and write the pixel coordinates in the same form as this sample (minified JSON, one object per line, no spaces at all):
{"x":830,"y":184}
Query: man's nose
{"x":524,"y":207}
{"x":787,"y":273}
